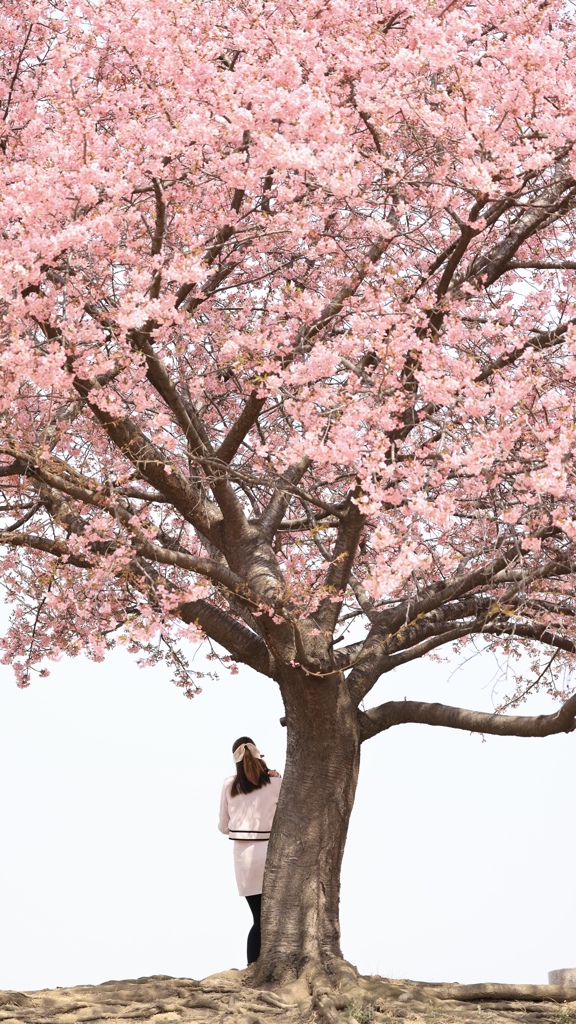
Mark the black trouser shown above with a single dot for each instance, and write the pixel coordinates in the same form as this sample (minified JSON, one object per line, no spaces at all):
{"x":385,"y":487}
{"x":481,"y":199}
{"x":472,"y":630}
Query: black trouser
{"x":253,"y":944}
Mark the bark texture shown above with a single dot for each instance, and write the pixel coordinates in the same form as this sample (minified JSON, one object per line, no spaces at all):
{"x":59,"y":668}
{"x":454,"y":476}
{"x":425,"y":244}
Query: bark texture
{"x":300,"y":924}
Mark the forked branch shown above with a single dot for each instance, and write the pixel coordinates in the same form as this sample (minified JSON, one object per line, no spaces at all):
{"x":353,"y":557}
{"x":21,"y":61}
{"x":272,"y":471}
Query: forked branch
{"x":274,"y":512}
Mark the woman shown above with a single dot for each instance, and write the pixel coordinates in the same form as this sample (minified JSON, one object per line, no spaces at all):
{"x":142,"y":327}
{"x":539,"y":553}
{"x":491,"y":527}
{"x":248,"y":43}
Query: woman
{"x":247,"y":809}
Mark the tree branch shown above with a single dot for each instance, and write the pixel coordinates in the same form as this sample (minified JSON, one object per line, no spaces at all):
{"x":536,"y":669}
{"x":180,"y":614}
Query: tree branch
{"x":394,"y":628}
{"x":51,"y":547}
{"x":76,"y":486}
{"x":240,"y":428}
{"x":151,"y":464}
{"x":437,"y":639}
{"x":160,"y":223}
{"x":14,"y":79}
{"x":366,"y":604}
{"x":274,"y":512}
{"x":339,"y":569}
{"x":196,"y":436}
{"x":334,"y":307}
{"x":16,"y":468}
{"x":530,"y":631}
{"x":542,"y":265}
{"x":553,"y":201}
{"x":244,"y":645}
{"x":401,"y":712}
{"x":142,"y":453}
{"x":159,"y":377}
{"x":467,"y":233}
{"x":540,"y":341}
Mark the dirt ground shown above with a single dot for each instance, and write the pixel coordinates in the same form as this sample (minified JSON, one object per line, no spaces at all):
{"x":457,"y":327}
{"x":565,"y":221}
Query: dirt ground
{"x":228,"y":998}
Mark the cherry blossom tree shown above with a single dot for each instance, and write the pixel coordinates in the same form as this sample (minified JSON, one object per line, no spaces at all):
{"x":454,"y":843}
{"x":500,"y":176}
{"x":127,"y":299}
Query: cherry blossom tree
{"x":288,"y":363}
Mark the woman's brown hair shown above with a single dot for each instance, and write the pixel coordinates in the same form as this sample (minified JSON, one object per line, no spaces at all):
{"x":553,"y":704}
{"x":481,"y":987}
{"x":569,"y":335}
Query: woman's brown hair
{"x":251,"y":772}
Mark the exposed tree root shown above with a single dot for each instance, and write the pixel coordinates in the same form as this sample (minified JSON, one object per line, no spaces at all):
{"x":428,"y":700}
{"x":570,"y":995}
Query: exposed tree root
{"x":321,"y":991}
{"x":530,"y":993}
{"x":325,"y":992}
{"x":333,"y":995}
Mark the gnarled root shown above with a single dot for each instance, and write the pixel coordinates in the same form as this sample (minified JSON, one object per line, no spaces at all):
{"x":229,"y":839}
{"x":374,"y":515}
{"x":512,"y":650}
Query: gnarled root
{"x":510,"y":993}
{"x":324,"y":992}
{"x":321,"y":990}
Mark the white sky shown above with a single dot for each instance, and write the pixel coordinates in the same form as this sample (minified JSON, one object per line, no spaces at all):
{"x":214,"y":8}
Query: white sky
{"x":460,"y":859}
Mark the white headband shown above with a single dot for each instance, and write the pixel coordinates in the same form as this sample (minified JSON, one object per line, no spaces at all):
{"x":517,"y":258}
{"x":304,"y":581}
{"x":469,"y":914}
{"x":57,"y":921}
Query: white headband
{"x":239,"y":752}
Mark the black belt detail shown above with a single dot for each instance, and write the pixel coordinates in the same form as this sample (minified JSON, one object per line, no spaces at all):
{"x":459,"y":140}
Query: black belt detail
{"x":234,"y":840}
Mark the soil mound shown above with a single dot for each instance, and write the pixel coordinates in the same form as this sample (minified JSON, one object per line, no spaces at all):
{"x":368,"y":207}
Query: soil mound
{"x":229,"y":998}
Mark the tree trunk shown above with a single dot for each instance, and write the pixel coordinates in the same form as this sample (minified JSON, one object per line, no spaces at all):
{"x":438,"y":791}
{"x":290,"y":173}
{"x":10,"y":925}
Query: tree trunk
{"x":300,"y":912}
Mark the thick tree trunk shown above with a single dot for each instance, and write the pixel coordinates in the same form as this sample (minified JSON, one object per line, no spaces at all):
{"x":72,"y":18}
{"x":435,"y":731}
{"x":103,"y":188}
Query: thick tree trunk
{"x":300,"y":913}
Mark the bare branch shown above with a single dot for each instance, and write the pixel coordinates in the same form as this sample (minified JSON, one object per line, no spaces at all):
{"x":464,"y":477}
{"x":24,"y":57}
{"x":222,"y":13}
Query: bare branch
{"x":399,"y":712}
{"x":141,"y":494}
{"x":160,"y":224}
{"x":274,"y":512}
{"x":368,"y":607}
{"x":530,"y":631}
{"x":244,"y":645}
{"x":493,"y":992}
{"x":16,"y":468}
{"x":438,"y":639}
{"x":346,"y":657}
{"x":303,"y":522}
{"x":338,"y":574}
{"x":240,"y":428}
{"x":542,"y":265}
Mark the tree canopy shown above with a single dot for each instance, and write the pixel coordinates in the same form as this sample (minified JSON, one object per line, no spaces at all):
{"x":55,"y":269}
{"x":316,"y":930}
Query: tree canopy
{"x":288,"y":330}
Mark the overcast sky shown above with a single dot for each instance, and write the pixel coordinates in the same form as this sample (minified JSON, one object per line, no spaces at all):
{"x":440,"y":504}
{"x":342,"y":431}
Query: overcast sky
{"x":459,"y":865}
